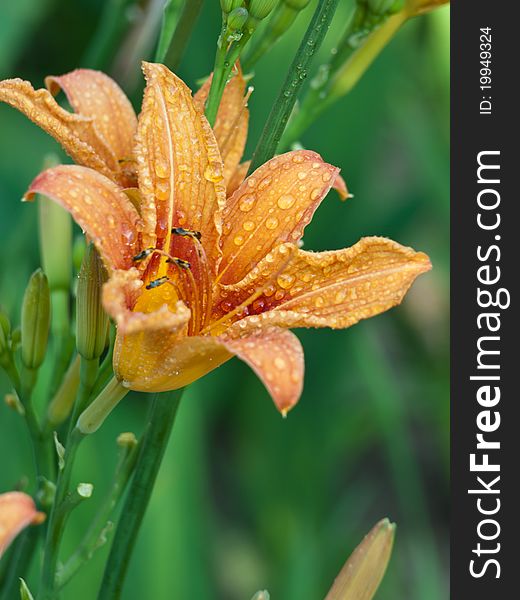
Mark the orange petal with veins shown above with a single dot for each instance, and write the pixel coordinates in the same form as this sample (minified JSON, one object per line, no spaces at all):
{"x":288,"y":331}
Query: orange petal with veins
{"x":276,"y":356}
{"x":241,"y":170}
{"x":232,"y":121}
{"x":17,"y":511}
{"x":98,"y":206}
{"x":94,"y":95}
{"x":76,"y":133}
{"x":331,"y":289}
{"x":178,"y":161}
{"x":273,"y":205}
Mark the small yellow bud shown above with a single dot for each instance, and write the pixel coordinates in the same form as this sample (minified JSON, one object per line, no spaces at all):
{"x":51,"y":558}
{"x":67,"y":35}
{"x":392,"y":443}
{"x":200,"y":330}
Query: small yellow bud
{"x":362,"y":573}
{"x":36,"y":316}
{"x":13,"y":402}
{"x":259,"y":9}
{"x":91,"y":318}
{"x":126,"y":439}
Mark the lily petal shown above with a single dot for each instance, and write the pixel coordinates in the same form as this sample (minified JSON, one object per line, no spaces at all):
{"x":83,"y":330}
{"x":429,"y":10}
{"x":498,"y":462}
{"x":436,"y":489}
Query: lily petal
{"x":146,"y":331}
{"x":272,"y":206}
{"x":98,"y":206}
{"x":331,"y":289}
{"x":276,"y":356}
{"x":95,"y":95}
{"x":179,"y":166}
{"x":232,"y":121}
{"x":17,"y":511}
{"x":76,"y":133}
{"x":241,"y":170}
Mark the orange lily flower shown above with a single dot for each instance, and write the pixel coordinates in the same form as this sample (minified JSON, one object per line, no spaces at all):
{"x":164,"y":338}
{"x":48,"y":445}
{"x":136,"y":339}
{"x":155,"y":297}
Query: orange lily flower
{"x":197,"y":275}
{"x":17,"y":511}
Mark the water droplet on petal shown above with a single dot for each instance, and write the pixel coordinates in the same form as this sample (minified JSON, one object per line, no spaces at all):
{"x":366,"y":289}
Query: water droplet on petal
{"x":248,"y":225}
{"x":279,"y":363}
{"x":213,"y":172}
{"x":286,"y":201}
{"x":285,"y":280}
{"x":246,"y":203}
{"x":271,"y":223}
{"x":238,"y":240}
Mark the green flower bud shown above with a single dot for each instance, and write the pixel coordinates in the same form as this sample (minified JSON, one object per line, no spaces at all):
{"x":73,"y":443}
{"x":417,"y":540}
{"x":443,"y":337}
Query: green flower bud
{"x":91,"y":318}
{"x":229,"y":5}
{"x":237,"y":19}
{"x":259,"y":9}
{"x":36,"y":316}
{"x":61,"y":405}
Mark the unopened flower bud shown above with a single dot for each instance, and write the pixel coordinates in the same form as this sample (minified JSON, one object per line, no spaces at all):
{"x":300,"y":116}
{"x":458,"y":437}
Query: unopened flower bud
{"x":229,"y":5}
{"x":126,"y":440}
{"x":61,"y":405}
{"x":91,"y":318}
{"x":237,"y":19}
{"x":13,"y":402}
{"x":36,"y":316}
{"x":259,"y":9}
{"x":362,"y":573}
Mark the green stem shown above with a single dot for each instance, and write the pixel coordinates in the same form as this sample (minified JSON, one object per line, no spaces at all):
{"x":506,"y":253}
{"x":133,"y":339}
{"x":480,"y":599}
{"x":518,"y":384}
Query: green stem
{"x":161,"y":418}
{"x":57,"y":520}
{"x":213,"y":101}
{"x":98,"y":530}
{"x":172,"y":55}
{"x":41,"y":446}
{"x":284,"y":104}
{"x":62,"y":501}
{"x":340,"y":80}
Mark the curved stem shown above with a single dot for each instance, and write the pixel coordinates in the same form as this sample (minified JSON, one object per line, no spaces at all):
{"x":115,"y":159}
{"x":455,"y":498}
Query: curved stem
{"x":161,"y":418}
{"x":282,"y":108}
{"x":61,"y":507}
{"x":100,"y":526}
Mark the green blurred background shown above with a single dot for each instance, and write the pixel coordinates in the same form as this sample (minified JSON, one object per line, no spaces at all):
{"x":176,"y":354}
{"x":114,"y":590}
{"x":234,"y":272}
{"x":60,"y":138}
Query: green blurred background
{"x":246,"y":500}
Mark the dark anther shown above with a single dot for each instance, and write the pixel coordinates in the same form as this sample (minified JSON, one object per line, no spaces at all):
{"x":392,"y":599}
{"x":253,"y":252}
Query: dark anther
{"x":143,"y":254}
{"x":186,"y":233}
{"x":183,"y":264}
{"x":157,"y":282}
